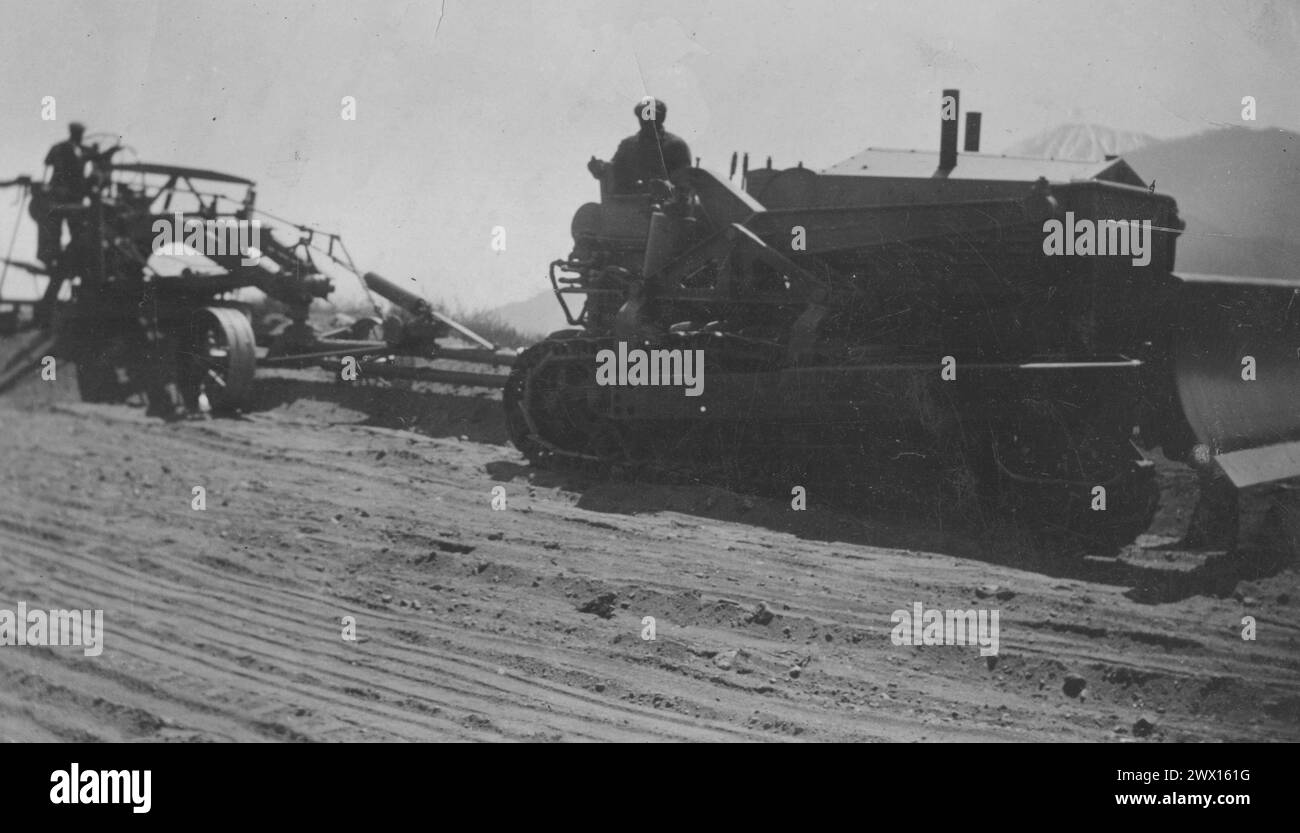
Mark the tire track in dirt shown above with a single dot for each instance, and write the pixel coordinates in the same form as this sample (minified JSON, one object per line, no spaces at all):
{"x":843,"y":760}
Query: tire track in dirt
{"x":225,"y":624}
{"x":284,"y":653}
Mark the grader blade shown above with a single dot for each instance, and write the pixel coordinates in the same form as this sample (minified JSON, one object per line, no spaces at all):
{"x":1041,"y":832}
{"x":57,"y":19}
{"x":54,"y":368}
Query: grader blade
{"x":1237,"y":370}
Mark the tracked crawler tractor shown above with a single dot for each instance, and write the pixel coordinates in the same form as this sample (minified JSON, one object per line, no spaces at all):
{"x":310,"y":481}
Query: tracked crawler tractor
{"x":905,"y":322}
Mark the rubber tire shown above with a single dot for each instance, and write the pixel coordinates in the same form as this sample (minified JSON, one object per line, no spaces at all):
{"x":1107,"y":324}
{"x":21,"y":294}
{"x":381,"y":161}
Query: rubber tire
{"x":236,"y":332}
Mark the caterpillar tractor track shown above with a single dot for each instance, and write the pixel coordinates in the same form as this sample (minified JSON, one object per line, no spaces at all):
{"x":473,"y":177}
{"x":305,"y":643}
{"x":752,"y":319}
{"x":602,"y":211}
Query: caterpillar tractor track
{"x":906,"y":324}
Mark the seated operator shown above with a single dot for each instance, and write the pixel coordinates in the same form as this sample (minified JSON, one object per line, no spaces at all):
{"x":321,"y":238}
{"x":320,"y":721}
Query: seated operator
{"x":651,"y":154}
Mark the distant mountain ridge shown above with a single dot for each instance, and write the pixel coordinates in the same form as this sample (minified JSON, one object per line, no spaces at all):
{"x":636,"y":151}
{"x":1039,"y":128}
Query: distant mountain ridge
{"x":1238,"y":189}
{"x":1081,"y":142}
{"x":538,"y":315}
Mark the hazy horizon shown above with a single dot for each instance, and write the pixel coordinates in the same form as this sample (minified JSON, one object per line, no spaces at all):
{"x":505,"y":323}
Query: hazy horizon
{"x":471,"y":116}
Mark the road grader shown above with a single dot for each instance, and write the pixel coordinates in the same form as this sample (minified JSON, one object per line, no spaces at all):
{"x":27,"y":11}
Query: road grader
{"x":183,"y":339}
{"x":902,"y":322}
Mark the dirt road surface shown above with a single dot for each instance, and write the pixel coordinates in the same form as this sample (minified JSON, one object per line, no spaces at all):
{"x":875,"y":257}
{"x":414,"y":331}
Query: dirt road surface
{"x":526,"y":623}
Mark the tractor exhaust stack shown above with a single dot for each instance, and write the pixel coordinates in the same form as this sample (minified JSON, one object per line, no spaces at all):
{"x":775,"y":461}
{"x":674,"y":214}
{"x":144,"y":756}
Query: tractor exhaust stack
{"x":948,"y":120}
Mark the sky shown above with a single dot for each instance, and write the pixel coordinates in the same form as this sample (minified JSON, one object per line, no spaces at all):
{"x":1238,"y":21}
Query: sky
{"x":483,"y":114}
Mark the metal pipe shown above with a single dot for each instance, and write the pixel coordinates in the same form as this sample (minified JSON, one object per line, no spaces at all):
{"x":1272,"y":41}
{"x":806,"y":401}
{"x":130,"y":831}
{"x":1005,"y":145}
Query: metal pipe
{"x":973,"y":132}
{"x":401,"y":296}
{"x":428,"y":374}
{"x":948,"y":132}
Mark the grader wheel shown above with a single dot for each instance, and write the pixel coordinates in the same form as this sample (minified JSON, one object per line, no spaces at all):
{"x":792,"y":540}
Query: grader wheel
{"x":218,"y":358}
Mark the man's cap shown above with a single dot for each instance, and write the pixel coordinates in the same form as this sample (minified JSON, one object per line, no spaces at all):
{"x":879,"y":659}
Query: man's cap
{"x":76,"y":127}
{"x":661,"y":109}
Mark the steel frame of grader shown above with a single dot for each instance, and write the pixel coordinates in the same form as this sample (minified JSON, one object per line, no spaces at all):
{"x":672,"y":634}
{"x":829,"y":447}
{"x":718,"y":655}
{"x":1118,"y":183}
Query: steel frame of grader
{"x":130,"y":327}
